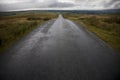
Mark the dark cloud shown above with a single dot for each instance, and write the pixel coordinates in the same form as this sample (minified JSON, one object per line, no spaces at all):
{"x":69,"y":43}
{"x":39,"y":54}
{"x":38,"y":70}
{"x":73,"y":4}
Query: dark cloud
{"x":117,"y":6}
{"x":113,"y":3}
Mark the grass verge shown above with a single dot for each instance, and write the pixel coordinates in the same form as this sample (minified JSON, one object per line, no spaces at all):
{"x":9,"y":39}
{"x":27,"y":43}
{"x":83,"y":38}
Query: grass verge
{"x":14,"y":27}
{"x":105,"y":26}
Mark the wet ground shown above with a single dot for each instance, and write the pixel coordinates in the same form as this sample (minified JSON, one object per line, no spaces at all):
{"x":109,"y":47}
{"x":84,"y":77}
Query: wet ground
{"x":60,"y":50}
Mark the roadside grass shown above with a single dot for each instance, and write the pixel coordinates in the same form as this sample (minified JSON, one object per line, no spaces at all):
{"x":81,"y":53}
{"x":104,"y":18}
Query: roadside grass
{"x":14,"y":27}
{"x":105,"y":26}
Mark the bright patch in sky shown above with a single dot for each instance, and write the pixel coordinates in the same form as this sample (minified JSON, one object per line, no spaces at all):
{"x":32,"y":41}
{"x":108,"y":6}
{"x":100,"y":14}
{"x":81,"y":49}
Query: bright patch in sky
{"x":69,"y":1}
{"x":8,"y":1}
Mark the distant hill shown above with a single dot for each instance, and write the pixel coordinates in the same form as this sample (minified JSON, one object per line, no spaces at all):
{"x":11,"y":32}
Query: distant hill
{"x":110,"y":11}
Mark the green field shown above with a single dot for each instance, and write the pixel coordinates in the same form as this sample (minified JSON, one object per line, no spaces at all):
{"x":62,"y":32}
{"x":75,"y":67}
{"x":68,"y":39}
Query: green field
{"x":14,"y":27}
{"x":105,"y":26}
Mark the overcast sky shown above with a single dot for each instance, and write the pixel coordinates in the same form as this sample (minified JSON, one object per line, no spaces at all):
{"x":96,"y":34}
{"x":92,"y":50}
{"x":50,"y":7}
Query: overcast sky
{"x":13,"y":5}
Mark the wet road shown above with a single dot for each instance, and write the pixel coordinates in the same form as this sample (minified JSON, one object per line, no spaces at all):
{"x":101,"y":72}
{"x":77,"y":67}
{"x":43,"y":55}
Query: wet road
{"x":60,"y":50}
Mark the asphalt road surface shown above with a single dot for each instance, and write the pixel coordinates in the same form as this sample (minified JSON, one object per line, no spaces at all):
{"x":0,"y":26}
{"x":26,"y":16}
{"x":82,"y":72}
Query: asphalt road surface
{"x":60,"y":50}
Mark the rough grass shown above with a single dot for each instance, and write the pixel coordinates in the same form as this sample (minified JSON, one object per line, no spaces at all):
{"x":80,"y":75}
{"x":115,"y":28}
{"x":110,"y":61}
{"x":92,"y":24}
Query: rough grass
{"x":12,"y":28}
{"x":105,"y":26}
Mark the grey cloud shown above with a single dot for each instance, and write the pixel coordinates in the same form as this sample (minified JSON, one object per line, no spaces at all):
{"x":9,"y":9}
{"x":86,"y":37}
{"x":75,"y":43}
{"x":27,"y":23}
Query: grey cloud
{"x":113,"y":4}
{"x":58,"y":4}
{"x":117,"y":5}
{"x":78,"y":4}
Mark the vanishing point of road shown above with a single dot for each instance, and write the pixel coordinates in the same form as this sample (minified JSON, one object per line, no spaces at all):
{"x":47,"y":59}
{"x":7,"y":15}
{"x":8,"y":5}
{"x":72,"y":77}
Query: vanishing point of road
{"x":60,"y":50}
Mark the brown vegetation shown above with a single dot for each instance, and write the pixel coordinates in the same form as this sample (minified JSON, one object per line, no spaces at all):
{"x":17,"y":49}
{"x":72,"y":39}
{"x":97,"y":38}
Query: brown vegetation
{"x":12,"y":28}
{"x":106,"y":26}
